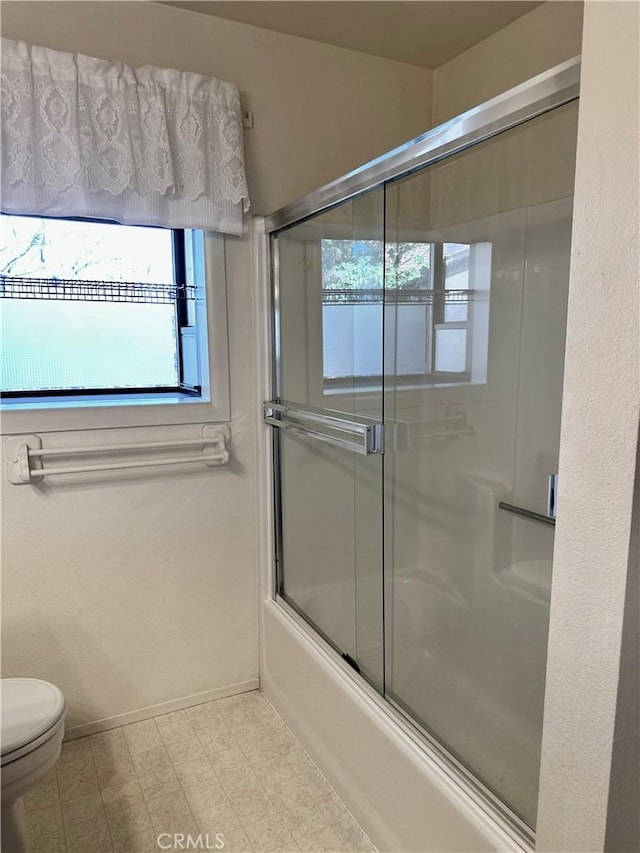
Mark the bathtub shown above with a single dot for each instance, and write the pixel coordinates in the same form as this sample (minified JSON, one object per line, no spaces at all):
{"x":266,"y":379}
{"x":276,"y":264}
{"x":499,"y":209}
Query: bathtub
{"x":404,"y":793}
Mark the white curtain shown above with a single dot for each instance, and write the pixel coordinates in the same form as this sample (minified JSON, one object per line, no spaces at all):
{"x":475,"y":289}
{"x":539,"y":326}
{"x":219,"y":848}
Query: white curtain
{"x":147,"y":146}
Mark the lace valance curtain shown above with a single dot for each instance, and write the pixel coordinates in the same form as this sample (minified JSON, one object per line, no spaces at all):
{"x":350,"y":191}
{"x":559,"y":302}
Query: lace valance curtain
{"x":147,"y":146}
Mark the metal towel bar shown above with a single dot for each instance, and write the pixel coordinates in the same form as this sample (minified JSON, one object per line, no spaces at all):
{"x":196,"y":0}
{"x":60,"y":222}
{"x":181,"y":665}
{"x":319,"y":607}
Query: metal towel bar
{"x":364,"y":437}
{"x":123,"y":448}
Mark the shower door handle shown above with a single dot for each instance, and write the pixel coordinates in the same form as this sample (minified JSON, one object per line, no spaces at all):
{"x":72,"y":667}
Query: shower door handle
{"x":363,"y":436}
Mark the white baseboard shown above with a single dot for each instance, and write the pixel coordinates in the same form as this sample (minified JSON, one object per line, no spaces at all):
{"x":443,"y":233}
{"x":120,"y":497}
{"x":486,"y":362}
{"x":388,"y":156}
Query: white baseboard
{"x":162,"y":708}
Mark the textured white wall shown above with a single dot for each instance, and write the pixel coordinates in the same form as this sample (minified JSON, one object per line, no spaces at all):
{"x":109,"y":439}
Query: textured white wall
{"x":623,"y":814}
{"x":601,"y":407}
{"x":319,"y":110}
{"x":139,"y":591}
{"x":129,"y":591}
{"x":538,"y":40}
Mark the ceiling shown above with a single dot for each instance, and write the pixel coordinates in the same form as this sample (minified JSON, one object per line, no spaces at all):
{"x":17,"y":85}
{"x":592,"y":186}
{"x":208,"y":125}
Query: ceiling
{"x":421,"y":32}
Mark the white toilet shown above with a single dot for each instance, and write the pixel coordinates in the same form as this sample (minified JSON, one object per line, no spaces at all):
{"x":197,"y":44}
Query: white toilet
{"x":32,"y":726}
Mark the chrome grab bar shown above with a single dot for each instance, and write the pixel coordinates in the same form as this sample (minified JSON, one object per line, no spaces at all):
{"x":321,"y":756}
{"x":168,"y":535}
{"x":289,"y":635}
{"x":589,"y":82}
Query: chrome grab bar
{"x":365,"y":436}
{"x":528,"y":513}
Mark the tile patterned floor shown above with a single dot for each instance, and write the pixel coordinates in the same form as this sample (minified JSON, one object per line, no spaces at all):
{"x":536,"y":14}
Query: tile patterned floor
{"x":229,"y":768}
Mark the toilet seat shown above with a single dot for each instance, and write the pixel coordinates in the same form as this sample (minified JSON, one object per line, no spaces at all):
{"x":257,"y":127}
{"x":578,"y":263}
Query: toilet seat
{"x":32,"y":712}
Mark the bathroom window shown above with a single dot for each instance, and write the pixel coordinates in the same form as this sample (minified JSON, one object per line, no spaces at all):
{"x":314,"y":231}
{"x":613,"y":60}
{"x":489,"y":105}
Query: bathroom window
{"x":98,"y":314}
{"x":428,"y":294}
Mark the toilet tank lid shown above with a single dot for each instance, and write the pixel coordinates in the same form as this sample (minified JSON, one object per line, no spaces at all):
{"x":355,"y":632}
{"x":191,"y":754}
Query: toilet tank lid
{"x":29,"y":708}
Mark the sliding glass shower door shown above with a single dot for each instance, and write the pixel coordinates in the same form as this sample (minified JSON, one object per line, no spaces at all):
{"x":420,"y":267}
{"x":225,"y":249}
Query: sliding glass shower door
{"x":419,"y":335}
{"x":474,"y":377}
{"x":329,"y":338}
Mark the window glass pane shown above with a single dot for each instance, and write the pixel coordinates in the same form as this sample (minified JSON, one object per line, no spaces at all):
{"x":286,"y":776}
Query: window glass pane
{"x":351,"y":340}
{"x":73,"y":344}
{"x":455,"y":312}
{"x":407,"y":277}
{"x":408,"y":266}
{"x":411,"y":338}
{"x":456,"y":264}
{"x":352,"y":297}
{"x":94,"y":251}
{"x":349,"y":265}
{"x":49,"y":345}
{"x":456,"y":277}
{"x":352,"y":281}
{"x":451,"y":350}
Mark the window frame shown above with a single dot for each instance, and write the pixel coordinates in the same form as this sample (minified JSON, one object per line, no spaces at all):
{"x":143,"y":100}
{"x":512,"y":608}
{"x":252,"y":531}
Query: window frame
{"x":179,"y":238}
{"x":209,"y":360}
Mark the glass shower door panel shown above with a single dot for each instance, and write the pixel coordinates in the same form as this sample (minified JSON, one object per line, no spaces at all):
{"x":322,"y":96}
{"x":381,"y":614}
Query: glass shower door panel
{"x":329,"y":341}
{"x":477,"y":422}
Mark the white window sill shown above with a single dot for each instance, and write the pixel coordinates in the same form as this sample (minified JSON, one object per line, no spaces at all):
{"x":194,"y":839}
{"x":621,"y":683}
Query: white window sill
{"x":58,"y":414}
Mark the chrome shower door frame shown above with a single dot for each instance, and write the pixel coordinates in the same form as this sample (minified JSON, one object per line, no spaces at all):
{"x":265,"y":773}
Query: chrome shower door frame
{"x":539,"y":95}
